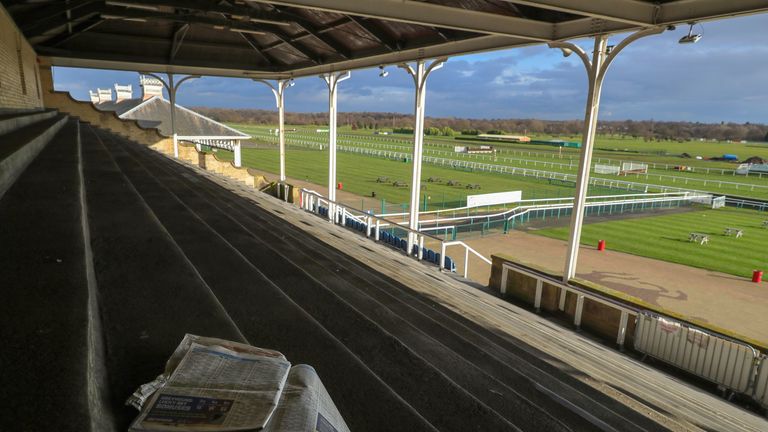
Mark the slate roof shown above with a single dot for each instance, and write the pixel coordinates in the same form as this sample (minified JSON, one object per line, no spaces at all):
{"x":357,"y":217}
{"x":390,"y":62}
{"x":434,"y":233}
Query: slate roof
{"x":155,"y":112}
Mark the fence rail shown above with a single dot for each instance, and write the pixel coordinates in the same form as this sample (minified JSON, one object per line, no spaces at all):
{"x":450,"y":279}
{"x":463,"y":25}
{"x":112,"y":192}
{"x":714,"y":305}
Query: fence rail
{"x":731,"y":364}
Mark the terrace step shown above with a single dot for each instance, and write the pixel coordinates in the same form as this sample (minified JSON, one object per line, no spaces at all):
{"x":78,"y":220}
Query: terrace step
{"x":149,"y":293}
{"x":12,"y":121}
{"x":267,"y":316}
{"x":44,"y":308}
{"x":445,"y":350}
{"x":20,"y":145}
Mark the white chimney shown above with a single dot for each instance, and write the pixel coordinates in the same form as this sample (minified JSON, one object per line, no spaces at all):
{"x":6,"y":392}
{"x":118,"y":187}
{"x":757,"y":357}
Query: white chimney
{"x":123,"y":92}
{"x":150,"y":87}
{"x":105,"y":95}
{"x":94,"y":96}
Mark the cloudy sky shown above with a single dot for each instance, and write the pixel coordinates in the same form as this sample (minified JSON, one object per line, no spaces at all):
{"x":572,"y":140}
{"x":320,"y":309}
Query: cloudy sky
{"x":724,"y":77}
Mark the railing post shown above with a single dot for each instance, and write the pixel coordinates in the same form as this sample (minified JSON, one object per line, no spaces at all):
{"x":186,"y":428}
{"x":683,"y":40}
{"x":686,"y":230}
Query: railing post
{"x":378,"y":229}
{"x":368,"y":222}
{"x":442,"y":256}
{"x":561,"y":303}
{"x":466,"y":261}
{"x":537,"y":298}
{"x":420,"y":252}
{"x":504,"y":273}
{"x":622,"y":329}
{"x":579,"y":309}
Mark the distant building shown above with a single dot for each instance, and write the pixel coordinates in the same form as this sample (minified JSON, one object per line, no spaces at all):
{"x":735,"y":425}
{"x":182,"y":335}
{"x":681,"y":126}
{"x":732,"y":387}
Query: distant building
{"x":504,"y":138}
{"x":151,"y":110}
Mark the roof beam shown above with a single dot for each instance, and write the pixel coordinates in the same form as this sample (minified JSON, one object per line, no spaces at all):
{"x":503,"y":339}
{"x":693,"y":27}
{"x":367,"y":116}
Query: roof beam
{"x":377,"y":32}
{"x":257,"y":49}
{"x":49,"y":11}
{"x":430,"y":14}
{"x":625,"y":11}
{"x":252,"y":14}
{"x":703,"y":10}
{"x":34,"y":27}
{"x":178,"y":39}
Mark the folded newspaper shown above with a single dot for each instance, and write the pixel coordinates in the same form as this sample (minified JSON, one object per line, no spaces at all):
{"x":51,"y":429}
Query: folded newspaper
{"x":216,"y":385}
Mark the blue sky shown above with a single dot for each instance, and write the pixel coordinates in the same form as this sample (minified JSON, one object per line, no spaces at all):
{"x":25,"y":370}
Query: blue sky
{"x":724,"y":77}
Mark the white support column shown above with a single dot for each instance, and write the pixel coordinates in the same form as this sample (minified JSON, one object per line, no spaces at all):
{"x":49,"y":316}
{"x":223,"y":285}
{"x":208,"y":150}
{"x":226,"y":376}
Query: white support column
{"x":238,"y":155}
{"x":278,"y":89}
{"x":172,"y":88}
{"x":602,"y":56}
{"x":419,"y":75}
{"x":332,"y":80}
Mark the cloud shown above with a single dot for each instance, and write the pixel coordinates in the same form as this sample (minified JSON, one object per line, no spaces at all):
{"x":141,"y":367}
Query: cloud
{"x":721,"y":78}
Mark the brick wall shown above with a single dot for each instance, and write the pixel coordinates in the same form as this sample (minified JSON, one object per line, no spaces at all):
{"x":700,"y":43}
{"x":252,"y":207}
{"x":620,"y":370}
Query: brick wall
{"x":19,"y":80}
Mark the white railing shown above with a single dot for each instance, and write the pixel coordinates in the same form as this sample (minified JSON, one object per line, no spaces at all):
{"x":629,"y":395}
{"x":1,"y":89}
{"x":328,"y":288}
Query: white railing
{"x":223,"y":142}
{"x":467,"y":250}
{"x":580,"y":293}
{"x":374,"y":225}
{"x":730,"y":363}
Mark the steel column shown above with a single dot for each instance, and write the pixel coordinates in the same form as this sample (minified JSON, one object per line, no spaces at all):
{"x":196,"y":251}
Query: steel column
{"x":332,"y":81}
{"x":419,"y":75}
{"x":171,"y":88}
{"x":602,"y":56}
{"x":278,"y":89}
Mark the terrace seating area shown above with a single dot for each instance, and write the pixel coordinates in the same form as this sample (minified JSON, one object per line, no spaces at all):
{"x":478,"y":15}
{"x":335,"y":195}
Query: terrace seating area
{"x":113,"y":251}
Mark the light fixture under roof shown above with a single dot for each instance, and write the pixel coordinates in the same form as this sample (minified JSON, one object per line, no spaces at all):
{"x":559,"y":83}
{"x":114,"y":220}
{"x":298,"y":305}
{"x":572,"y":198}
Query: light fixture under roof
{"x":691,"y":37}
{"x":382,"y":72}
{"x":249,"y":31}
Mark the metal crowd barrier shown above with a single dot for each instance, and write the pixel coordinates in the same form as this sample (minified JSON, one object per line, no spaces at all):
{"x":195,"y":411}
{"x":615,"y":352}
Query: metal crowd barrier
{"x":760,"y":393}
{"x":718,"y":359}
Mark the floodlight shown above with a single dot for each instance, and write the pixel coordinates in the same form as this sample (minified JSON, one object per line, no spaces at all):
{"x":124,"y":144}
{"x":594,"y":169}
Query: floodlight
{"x":382,"y":72}
{"x":291,"y":83}
{"x":566,"y":51}
{"x":691,"y":37}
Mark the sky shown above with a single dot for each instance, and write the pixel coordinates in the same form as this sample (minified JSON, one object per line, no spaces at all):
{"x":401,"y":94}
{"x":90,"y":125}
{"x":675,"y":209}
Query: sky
{"x":723,"y":77}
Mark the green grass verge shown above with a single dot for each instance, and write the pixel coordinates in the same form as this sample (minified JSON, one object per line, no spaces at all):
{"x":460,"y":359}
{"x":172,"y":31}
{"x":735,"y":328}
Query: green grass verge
{"x":666,"y":238}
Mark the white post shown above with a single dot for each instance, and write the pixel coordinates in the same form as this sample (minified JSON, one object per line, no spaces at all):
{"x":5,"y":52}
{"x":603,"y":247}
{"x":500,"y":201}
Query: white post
{"x":332,"y":80}
{"x":278,"y":89}
{"x":172,"y":96}
{"x":171,"y":88}
{"x":238,"y":155}
{"x":602,"y":56}
{"x":466,"y":262}
{"x":442,"y":256}
{"x":420,"y":252}
{"x":419,"y":75}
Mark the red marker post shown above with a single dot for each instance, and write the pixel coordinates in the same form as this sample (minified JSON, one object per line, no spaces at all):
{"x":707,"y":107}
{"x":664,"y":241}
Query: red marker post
{"x":601,"y":245}
{"x":757,"y":276}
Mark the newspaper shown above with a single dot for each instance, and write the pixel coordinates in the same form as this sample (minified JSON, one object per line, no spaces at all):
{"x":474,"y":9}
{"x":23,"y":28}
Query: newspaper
{"x":216,"y":385}
{"x":305,"y":405}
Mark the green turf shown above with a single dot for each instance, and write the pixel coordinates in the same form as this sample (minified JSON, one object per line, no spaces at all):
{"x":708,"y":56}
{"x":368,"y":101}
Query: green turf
{"x":548,"y":159}
{"x":358,"y":174}
{"x":666,"y":238}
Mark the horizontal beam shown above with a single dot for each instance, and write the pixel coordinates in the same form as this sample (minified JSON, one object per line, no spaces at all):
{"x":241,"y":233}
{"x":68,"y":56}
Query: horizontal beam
{"x":100,"y":61}
{"x":430,"y":14}
{"x":633,"y":12}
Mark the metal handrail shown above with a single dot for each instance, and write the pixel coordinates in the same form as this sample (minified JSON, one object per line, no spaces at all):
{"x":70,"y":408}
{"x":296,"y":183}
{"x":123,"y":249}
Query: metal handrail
{"x":467,"y":250}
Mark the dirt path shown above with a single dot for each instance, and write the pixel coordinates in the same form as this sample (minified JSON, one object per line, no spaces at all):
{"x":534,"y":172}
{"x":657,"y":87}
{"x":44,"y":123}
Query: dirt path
{"x":720,"y":299}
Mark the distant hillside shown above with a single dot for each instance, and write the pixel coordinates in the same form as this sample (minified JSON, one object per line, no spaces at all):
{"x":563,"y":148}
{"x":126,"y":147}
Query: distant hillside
{"x":648,"y":129}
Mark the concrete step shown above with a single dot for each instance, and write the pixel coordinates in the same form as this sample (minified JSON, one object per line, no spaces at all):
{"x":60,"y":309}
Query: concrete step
{"x":468,"y":354}
{"x":44,"y":308}
{"x":267,"y":316}
{"x":11,"y":121}
{"x":150,"y":294}
{"x":19,"y":147}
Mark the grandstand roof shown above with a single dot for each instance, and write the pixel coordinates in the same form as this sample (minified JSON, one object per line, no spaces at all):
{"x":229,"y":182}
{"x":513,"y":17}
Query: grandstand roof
{"x":155,"y":112}
{"x":281,"y":38}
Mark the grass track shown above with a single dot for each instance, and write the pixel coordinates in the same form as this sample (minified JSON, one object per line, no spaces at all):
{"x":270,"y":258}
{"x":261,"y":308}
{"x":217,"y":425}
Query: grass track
{"x":666,"y":238}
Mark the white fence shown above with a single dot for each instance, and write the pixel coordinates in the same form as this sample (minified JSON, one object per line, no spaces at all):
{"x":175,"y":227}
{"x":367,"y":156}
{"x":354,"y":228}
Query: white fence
{"x":720,"y":360}
{"x":607,"y":169}
{"x":375,"y":226}
{"x":732,"y":364}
